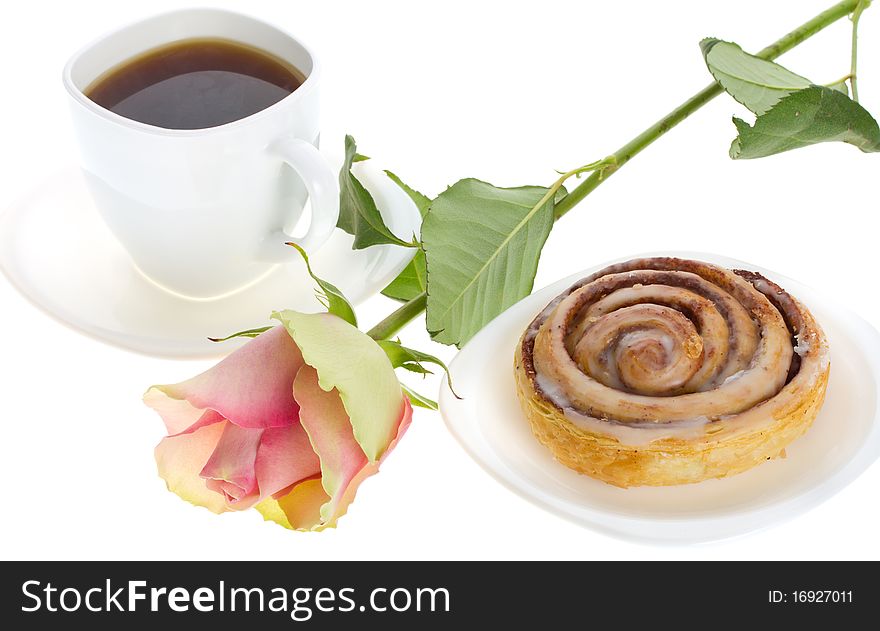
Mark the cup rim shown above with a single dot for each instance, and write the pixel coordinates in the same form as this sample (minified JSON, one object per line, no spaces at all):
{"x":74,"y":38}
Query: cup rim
{"x":308,"y":85}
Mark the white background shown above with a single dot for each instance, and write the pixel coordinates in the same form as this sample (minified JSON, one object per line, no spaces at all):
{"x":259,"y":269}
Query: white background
{"x":504,"y":91}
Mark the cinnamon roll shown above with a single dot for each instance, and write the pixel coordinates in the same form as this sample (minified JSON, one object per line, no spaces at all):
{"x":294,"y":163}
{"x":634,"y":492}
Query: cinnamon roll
{"x":666,"y":371}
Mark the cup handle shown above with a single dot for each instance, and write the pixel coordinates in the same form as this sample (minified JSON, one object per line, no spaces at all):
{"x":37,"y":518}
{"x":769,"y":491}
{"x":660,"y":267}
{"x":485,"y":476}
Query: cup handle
{"x":323,"y":189}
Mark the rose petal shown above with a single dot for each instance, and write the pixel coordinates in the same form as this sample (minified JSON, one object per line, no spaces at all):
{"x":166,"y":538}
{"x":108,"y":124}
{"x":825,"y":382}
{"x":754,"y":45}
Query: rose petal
{"x":325,"y":420}
{"x":348,"y":496}
{"x":181,"y":458}
{"x":250,"y":388}
{"x":230,"y":469}
{"x":351,"y":362}
{"x":298,"y":510}
{"x":179,"y":416}
{"x":271,"y":510}
{"x":285,"y":457}
{"x":343,"y":463}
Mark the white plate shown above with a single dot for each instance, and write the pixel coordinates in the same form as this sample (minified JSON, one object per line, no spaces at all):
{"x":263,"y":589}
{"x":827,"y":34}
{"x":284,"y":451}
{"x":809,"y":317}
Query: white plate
{"x":55,"y":250}
{"x":843,"y":442}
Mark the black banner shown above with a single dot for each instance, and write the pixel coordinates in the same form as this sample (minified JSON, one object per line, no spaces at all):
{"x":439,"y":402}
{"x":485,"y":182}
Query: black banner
{"x":434,"y":595}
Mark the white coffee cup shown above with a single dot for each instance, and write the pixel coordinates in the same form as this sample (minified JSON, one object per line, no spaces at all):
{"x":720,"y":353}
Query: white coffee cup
{"x":205,"y":212}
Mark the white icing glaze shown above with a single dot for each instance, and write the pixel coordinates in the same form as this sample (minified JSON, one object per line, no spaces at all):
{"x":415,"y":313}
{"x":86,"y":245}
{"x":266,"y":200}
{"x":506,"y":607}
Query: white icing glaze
{"x":552,"y":391}
{"x":639,"y":434}
{"x":666,"y":340}
{"x":635,"y":434}
{"x":734,"y":376}
{"x":824,"y":358}
{"x":803,"y":344}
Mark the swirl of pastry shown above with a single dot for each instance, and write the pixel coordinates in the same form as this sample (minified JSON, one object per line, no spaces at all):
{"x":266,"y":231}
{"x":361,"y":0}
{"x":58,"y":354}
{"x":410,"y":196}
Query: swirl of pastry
{"x":666,"y":371}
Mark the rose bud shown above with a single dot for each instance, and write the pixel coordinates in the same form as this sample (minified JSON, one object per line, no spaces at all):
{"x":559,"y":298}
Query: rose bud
{"x":290,"y":423}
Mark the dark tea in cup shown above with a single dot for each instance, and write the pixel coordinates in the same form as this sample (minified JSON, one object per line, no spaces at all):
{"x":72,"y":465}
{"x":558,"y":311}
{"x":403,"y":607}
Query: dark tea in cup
{"x":195,"y":84}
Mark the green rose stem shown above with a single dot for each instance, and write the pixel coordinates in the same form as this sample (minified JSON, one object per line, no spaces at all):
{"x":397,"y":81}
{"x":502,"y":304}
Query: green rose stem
{"x":398,"y":319}
{"x":603,"y":169}
{"x":857,"y":13}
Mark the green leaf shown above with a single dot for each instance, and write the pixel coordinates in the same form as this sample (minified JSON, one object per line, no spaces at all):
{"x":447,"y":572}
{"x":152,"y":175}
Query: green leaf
{"x":419,"y":400}
{"x":807,"y":117}
{"x":412,"y":281}
{"x":331,"y":297}
{"x":791,"y":112}
{"x":561,"y":194}
{"x":482,"y":245}
{"x":422,"y":202}
{"x":412,"y":360}
{"x":417,"y":368}
{"x":249,"y":333}
{"x":358,"y":214}
{"x":841,"y":86}
{"x":756,"y":83}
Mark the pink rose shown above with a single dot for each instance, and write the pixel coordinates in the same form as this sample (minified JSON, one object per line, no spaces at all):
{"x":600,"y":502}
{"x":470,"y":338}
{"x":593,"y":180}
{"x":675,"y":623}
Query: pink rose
{"x":291,"y":423}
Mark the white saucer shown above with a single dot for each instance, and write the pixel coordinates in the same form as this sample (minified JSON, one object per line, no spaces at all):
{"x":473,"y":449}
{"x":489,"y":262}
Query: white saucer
{"x":55,"y":250}
{"x":843,"y":442}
